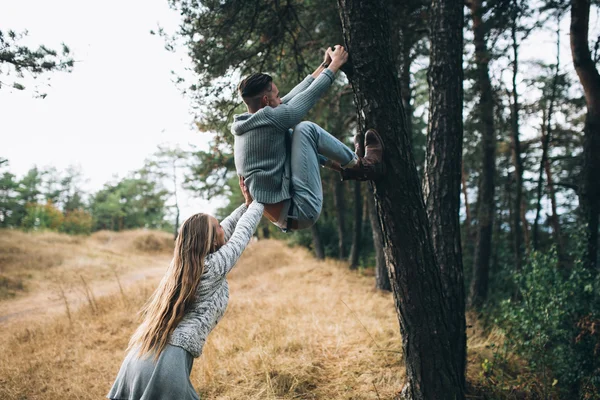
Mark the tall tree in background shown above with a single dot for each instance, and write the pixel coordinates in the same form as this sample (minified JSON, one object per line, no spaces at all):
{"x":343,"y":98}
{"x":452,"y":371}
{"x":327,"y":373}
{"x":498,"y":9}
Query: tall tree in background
{"x":8,"y":196}
{"x":431,"y":361}
{"x":382,"y":276}
{"x":72,"y":196}
{"x":357,"y":232}
{"x":485,"y":198}
{"x":340,"y":207}
{"x":585,"y":66}
{"x":551,"y":92}
{"x":409,"y":26}
{"x":515,"y":140}
{"x":133,"y":202}
{"x":443,"y":168}
{"x":28,"y":190}
{"x":167,"y":163}
{"x":317,"y":243}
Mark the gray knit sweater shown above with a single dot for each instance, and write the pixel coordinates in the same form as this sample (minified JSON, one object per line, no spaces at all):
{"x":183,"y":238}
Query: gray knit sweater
{"x":261,"y":153}
{"x":212,"y":294}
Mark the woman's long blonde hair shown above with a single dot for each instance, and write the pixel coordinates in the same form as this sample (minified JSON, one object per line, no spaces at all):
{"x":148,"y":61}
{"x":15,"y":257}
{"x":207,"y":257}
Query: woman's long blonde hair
{"x":176,"y":291}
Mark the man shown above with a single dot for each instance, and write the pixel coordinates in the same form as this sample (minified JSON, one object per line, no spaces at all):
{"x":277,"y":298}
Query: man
{"x":278,"y":156}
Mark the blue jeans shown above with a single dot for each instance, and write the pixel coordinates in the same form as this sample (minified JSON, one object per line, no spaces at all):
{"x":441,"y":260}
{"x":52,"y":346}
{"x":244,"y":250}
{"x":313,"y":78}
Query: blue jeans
{"x":311,"y":146}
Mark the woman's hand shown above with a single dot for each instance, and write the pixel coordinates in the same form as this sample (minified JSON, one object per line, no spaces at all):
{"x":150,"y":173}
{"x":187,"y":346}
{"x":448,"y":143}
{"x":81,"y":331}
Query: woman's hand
{"x":245,"y":192}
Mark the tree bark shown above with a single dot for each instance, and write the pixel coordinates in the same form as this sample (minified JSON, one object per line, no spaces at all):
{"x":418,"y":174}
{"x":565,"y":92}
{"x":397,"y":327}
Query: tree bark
{"x":545,"y":167}
{"x":443,"y":171}
{"x":589,"y":196}
{"x":176,"y":228}
{"x":526,"y":235}
{"x":423,"y":313}
{"x":317,"y":243}
{"x":382,"y":277}
{"x":545,"y":139}
{"x":340,"y":206}
{"x":466,"y":199}
{"x":467,"y":245}
{"x":485,"y":202}
{"x":516,"y":148}
{"x":265,"y":232}
{"x":538,"y":211}
{"x":357,"y":233}
{"x":405,"y":88}
{"x":560,"y":247}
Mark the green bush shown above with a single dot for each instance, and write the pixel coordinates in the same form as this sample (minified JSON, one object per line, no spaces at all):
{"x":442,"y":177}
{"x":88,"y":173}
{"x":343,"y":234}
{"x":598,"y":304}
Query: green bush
{"x":550,"y":324}
{"x":77,"y":222}
{"x":42,"y":216}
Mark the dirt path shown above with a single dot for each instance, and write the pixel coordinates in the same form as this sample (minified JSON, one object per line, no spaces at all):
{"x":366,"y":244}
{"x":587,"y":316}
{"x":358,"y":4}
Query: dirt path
{"x":49,"y":301}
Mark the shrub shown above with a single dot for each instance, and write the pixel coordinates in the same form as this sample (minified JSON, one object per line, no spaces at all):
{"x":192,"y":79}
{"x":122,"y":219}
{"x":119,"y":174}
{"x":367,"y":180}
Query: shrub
{"x":550,"y":324}
{"x":77,"y":222}
{"x":42,"y":216}
{"x":151,"y":242}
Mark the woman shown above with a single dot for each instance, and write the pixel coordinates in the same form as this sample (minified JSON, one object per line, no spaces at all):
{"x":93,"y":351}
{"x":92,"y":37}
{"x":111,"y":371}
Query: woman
{"x":188,"y":303}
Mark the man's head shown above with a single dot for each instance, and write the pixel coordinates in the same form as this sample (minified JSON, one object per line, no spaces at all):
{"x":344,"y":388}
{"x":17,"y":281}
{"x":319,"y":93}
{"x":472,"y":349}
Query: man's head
{"x":258,"y":91}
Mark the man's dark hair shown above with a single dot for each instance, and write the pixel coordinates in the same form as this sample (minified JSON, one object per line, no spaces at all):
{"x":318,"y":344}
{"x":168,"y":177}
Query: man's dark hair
{"x":254,"y":85}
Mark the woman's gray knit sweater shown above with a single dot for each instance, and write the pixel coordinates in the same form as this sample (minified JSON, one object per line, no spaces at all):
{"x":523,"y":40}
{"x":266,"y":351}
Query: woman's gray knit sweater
{"x":261,"y":152}
{"x":213,"y":292}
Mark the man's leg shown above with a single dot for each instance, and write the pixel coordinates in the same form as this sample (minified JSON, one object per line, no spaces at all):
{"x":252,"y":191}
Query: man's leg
{"x":309,"y":143}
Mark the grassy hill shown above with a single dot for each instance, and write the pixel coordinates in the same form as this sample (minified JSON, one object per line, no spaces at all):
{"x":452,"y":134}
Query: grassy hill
{"x":296,"y":328}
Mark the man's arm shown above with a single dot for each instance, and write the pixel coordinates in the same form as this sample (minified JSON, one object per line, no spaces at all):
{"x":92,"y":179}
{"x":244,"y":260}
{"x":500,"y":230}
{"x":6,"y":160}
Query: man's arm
{"x":290,"y":114}
{"x":298,"y":89}
{"x":309,"y":79}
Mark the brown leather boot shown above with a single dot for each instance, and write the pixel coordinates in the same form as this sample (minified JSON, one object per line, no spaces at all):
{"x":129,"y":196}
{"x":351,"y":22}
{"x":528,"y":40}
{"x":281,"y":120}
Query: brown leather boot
{"x":359,"y":149}
{"x":371,"y":166}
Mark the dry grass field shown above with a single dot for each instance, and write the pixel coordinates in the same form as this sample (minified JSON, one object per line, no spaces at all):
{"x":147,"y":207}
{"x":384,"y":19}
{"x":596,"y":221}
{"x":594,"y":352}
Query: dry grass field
{"x":39,"y":271}
{"x":295,"y":328}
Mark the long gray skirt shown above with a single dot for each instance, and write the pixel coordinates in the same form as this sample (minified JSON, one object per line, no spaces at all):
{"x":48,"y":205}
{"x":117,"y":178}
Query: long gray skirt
{"x":143,"y":379}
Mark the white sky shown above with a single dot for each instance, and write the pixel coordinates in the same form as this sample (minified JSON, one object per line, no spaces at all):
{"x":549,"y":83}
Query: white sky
{"x":117,"y":105}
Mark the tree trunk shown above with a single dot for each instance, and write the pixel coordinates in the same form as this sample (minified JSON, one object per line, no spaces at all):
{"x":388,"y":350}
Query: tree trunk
{"x":176,"y":202}
{"x":485,"y":201}
{"x":443,"y":170}
{"x":560,"y":248}
{"x":382,"y":277}
{"x":317,"y":243}
{"x":545,"y":139}
{"x":340,"y":206}
{"x":423,"y":312}
{"x":468,"y":219}
{"x":265,"y":232}
{"x":525,"y":223}
{"x":538,"y":211}
{"x":545,"y":167}
{"x":516,"y":149}
{"x":545,"y":162}
{"x":589,"y":196}
{"x":467,"y":245}
{"x":405,"y":88}
{"x":356,"y":234}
